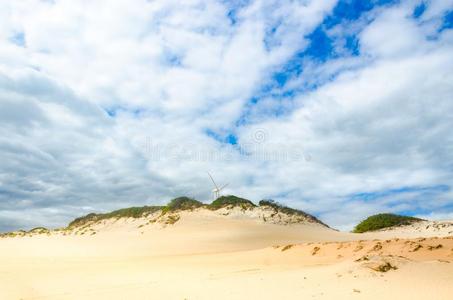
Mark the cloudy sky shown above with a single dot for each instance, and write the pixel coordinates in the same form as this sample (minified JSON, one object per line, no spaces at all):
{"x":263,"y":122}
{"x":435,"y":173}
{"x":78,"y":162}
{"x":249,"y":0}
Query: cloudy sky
{"x":340,"y":108}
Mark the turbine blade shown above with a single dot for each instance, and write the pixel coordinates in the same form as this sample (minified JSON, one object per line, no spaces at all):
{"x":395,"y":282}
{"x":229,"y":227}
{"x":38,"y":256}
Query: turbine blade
{"x":213,"y":181}
{"x":224,"y":186}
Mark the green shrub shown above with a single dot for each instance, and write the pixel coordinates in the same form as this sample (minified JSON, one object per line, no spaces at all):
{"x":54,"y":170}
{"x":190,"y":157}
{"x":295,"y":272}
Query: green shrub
{"x":39,"y":230}
{"x":230,"y":200}
{"x":381,"y":221}
{"x":182,"y":203}
{"x":132,"y":212}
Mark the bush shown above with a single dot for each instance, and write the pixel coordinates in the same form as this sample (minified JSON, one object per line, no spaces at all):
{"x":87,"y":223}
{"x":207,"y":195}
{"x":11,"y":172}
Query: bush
{"x":182,"y":203}
{"x":39,"y":230}
{"x":230,"y":200}
{"x":85,"y":219}
{"x":381,"y":221}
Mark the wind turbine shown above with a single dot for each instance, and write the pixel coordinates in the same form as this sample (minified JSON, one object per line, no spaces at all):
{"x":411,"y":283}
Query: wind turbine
{"x":216,"y":191}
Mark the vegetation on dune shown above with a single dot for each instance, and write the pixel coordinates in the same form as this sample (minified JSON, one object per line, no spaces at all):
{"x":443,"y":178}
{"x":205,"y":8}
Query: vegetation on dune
{"x":231,"y":201}
{"x":282,"y":208}
{"x":131,"y":212}
{"x":36,"y":230}
{"x":182,"y":203}
{"x":39,"y":230}
{"x":186,"y":203}
{"x":381,"y":221}
{"x":13,"y":233}
{"x":172,"y":219}
{"x":84,"y":219}
{"x":289,"y":211}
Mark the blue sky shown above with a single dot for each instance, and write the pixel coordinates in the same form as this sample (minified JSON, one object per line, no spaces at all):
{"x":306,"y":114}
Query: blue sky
{"x":340,"y":108}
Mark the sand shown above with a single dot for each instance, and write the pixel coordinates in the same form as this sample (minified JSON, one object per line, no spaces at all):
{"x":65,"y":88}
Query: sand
{"x":210,"y":256}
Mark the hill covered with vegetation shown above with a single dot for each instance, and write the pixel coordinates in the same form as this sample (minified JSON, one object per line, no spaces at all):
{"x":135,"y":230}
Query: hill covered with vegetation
{"x":131,"y":212}
{"x":231,"y":201}
{"x":186,"y":203}
{"x":182,"y":203}
{"x":381,"y":221}
{"x":290,"y":211}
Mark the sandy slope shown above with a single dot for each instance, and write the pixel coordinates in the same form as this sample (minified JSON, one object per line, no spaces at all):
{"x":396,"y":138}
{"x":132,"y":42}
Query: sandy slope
{"x":208,"y":255}
{"x":424,"y":228}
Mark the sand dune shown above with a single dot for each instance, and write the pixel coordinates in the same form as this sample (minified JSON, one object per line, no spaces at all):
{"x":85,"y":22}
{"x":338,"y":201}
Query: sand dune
{"x":420,"y":229}
{"x":224,"y":255}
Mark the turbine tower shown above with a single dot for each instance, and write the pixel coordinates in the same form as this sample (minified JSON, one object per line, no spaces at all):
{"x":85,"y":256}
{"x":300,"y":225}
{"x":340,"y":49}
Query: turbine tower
{"x":216,"y":191}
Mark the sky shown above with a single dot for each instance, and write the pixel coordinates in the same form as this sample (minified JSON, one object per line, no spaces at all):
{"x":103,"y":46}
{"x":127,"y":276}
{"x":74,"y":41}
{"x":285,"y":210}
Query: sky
{"x":340,"y":108}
